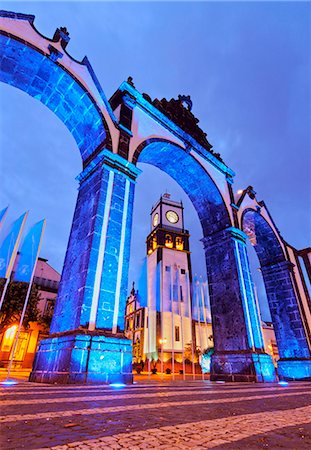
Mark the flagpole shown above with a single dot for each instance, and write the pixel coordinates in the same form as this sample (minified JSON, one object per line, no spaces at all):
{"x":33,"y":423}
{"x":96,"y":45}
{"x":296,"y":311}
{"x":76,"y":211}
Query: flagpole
{"x":19,"y":328}
{"x":7,"y":281}
{"x":25,"y":305}
{"x":173,"y":324}
{"x":180,"y":307}
{"x":190,"y":318}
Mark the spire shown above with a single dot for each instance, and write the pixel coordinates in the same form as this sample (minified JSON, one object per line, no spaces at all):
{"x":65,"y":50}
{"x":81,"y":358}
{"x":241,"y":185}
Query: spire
{"x":133,"y":289}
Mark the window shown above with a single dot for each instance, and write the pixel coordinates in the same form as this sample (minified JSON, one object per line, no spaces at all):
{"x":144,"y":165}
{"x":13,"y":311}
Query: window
{"x":181,"y":295}
{"x":182,"y":271}
{"x":168,"y":241}
{"x":177,"y":336}
{"x":179,"y":243}
{"x":154,"y":242}
{"x":138,"y":321}
{"x":175,"y":292}
{"x":167,"y":269}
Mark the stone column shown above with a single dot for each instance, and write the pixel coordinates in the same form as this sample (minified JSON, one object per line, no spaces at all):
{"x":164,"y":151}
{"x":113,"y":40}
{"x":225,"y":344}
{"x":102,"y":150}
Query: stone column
{"x":87,"y":341}
{"x":239,"y":348}
{"x":291,"y":336}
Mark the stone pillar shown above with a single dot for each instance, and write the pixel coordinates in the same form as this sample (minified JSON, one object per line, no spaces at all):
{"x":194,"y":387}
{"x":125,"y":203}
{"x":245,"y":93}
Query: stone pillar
{"x":239,"y":348}
{"x":87,"y":342}
{"x":291,"y":336}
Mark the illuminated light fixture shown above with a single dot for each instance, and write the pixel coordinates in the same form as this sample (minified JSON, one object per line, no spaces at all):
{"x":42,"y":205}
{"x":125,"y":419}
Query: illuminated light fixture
{"x":283,"y":383}
{"x":149,"y":251}
{"x":162,"y":341}
{"x":117,"y":385}
{"x":9,"y":334}
{"x":240,"y":191}
{"x":8,"y":382}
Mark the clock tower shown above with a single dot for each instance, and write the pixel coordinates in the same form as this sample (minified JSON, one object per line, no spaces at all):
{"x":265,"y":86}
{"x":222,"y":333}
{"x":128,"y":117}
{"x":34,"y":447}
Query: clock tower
{"x":168,"y":318}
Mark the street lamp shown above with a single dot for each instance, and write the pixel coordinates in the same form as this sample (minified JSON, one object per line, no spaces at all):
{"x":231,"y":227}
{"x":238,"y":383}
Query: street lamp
{"x":162,"y":341}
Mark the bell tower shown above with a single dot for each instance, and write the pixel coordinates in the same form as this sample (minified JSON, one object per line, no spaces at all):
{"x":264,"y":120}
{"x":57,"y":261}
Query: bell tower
{"x":169,"y":278}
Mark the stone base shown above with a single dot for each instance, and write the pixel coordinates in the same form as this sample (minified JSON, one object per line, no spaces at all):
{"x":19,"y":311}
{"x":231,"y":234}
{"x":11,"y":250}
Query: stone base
{"x":294,"y":369}
{"x":83,"y":358}
{"x":245,"y":367}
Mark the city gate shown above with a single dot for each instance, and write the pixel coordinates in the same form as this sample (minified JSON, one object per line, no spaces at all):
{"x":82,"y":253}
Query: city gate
{"x":87,"y":343}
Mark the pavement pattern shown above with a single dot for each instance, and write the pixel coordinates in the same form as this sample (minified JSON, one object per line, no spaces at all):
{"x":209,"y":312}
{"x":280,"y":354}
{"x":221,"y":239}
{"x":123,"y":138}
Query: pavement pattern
{"x":180,"y":415}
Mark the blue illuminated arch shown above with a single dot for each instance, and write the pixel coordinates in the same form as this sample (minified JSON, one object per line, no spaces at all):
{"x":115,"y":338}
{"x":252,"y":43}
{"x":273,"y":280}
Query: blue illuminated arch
{"x":35,"y":73}
{"x":192,"y":177}
{"x":263,"y":238}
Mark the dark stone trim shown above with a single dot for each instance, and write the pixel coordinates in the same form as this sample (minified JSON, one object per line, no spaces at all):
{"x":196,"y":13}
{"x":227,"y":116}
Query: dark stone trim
{"x":18,"y":16}
{"x":234,"y":207}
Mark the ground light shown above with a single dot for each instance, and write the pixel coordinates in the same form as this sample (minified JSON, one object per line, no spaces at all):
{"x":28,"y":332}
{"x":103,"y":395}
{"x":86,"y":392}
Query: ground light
{"x":117,"y":385}
{"x":8,"y":382}
{"x":283,"y":383}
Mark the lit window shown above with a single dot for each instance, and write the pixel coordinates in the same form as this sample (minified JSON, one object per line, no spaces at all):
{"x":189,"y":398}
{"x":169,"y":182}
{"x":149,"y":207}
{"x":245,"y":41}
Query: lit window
{"x":168,"y":241}
{"x":179,"y":243}
{"x":177,"y":336}
{"x":154,"y":242}
{"x":8,"y":338}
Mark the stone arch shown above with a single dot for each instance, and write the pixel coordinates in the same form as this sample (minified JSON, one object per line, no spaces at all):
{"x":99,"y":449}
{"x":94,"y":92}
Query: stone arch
{"x":237,"y":334}
{"x":263,"y":238}
{"x":186,"y":171}
{"x":41,"y":76}
{"x":277,"y":273}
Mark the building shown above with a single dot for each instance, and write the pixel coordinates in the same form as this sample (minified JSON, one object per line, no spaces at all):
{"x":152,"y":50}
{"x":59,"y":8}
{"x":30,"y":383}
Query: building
{"x":166,"y":327}
{"x":172,"y":326}
{"x":47,"y":280}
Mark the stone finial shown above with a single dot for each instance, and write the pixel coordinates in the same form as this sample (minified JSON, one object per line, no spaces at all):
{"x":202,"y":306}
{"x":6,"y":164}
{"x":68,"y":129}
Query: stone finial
{"x":61,"y":35}
{"x":187,"y":100}
{"x":130,"y":81}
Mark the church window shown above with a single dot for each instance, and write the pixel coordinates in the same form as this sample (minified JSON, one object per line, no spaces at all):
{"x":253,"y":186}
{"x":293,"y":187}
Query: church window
{"x":177,"y":335}
{"x":168,"y":241}
{"x":179,"y":243}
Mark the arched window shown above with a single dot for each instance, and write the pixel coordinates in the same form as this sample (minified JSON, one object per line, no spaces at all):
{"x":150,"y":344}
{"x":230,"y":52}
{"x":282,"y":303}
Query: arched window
{"x":168,"y":241}
{"x":179,"y":243}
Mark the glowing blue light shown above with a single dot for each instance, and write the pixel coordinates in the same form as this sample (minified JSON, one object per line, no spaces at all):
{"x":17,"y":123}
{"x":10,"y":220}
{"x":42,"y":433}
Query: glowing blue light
{"x":8,"y":382}
{"x":283,"y":383}
{"x":117,"y":385}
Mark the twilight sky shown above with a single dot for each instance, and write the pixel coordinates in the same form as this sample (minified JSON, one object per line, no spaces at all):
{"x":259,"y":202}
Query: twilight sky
{"x":247,"y":68}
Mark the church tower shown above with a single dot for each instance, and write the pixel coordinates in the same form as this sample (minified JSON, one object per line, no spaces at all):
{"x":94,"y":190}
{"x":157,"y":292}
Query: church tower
{"x":168,"y":318}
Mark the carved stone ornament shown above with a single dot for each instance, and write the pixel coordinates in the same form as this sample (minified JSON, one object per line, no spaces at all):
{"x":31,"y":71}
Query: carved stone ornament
{"x":179,"y":111}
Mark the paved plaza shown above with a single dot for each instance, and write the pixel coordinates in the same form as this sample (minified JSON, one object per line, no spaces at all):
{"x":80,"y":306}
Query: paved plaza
{"x":156,"y":415}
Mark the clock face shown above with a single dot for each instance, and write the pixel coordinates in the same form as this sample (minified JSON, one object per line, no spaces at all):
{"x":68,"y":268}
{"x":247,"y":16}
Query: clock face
{"x":155,"y":219}
{"x":172,"y":216}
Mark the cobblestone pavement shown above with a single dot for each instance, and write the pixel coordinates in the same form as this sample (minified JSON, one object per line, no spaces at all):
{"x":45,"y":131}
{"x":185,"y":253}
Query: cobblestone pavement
{"x":180,"y":415}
